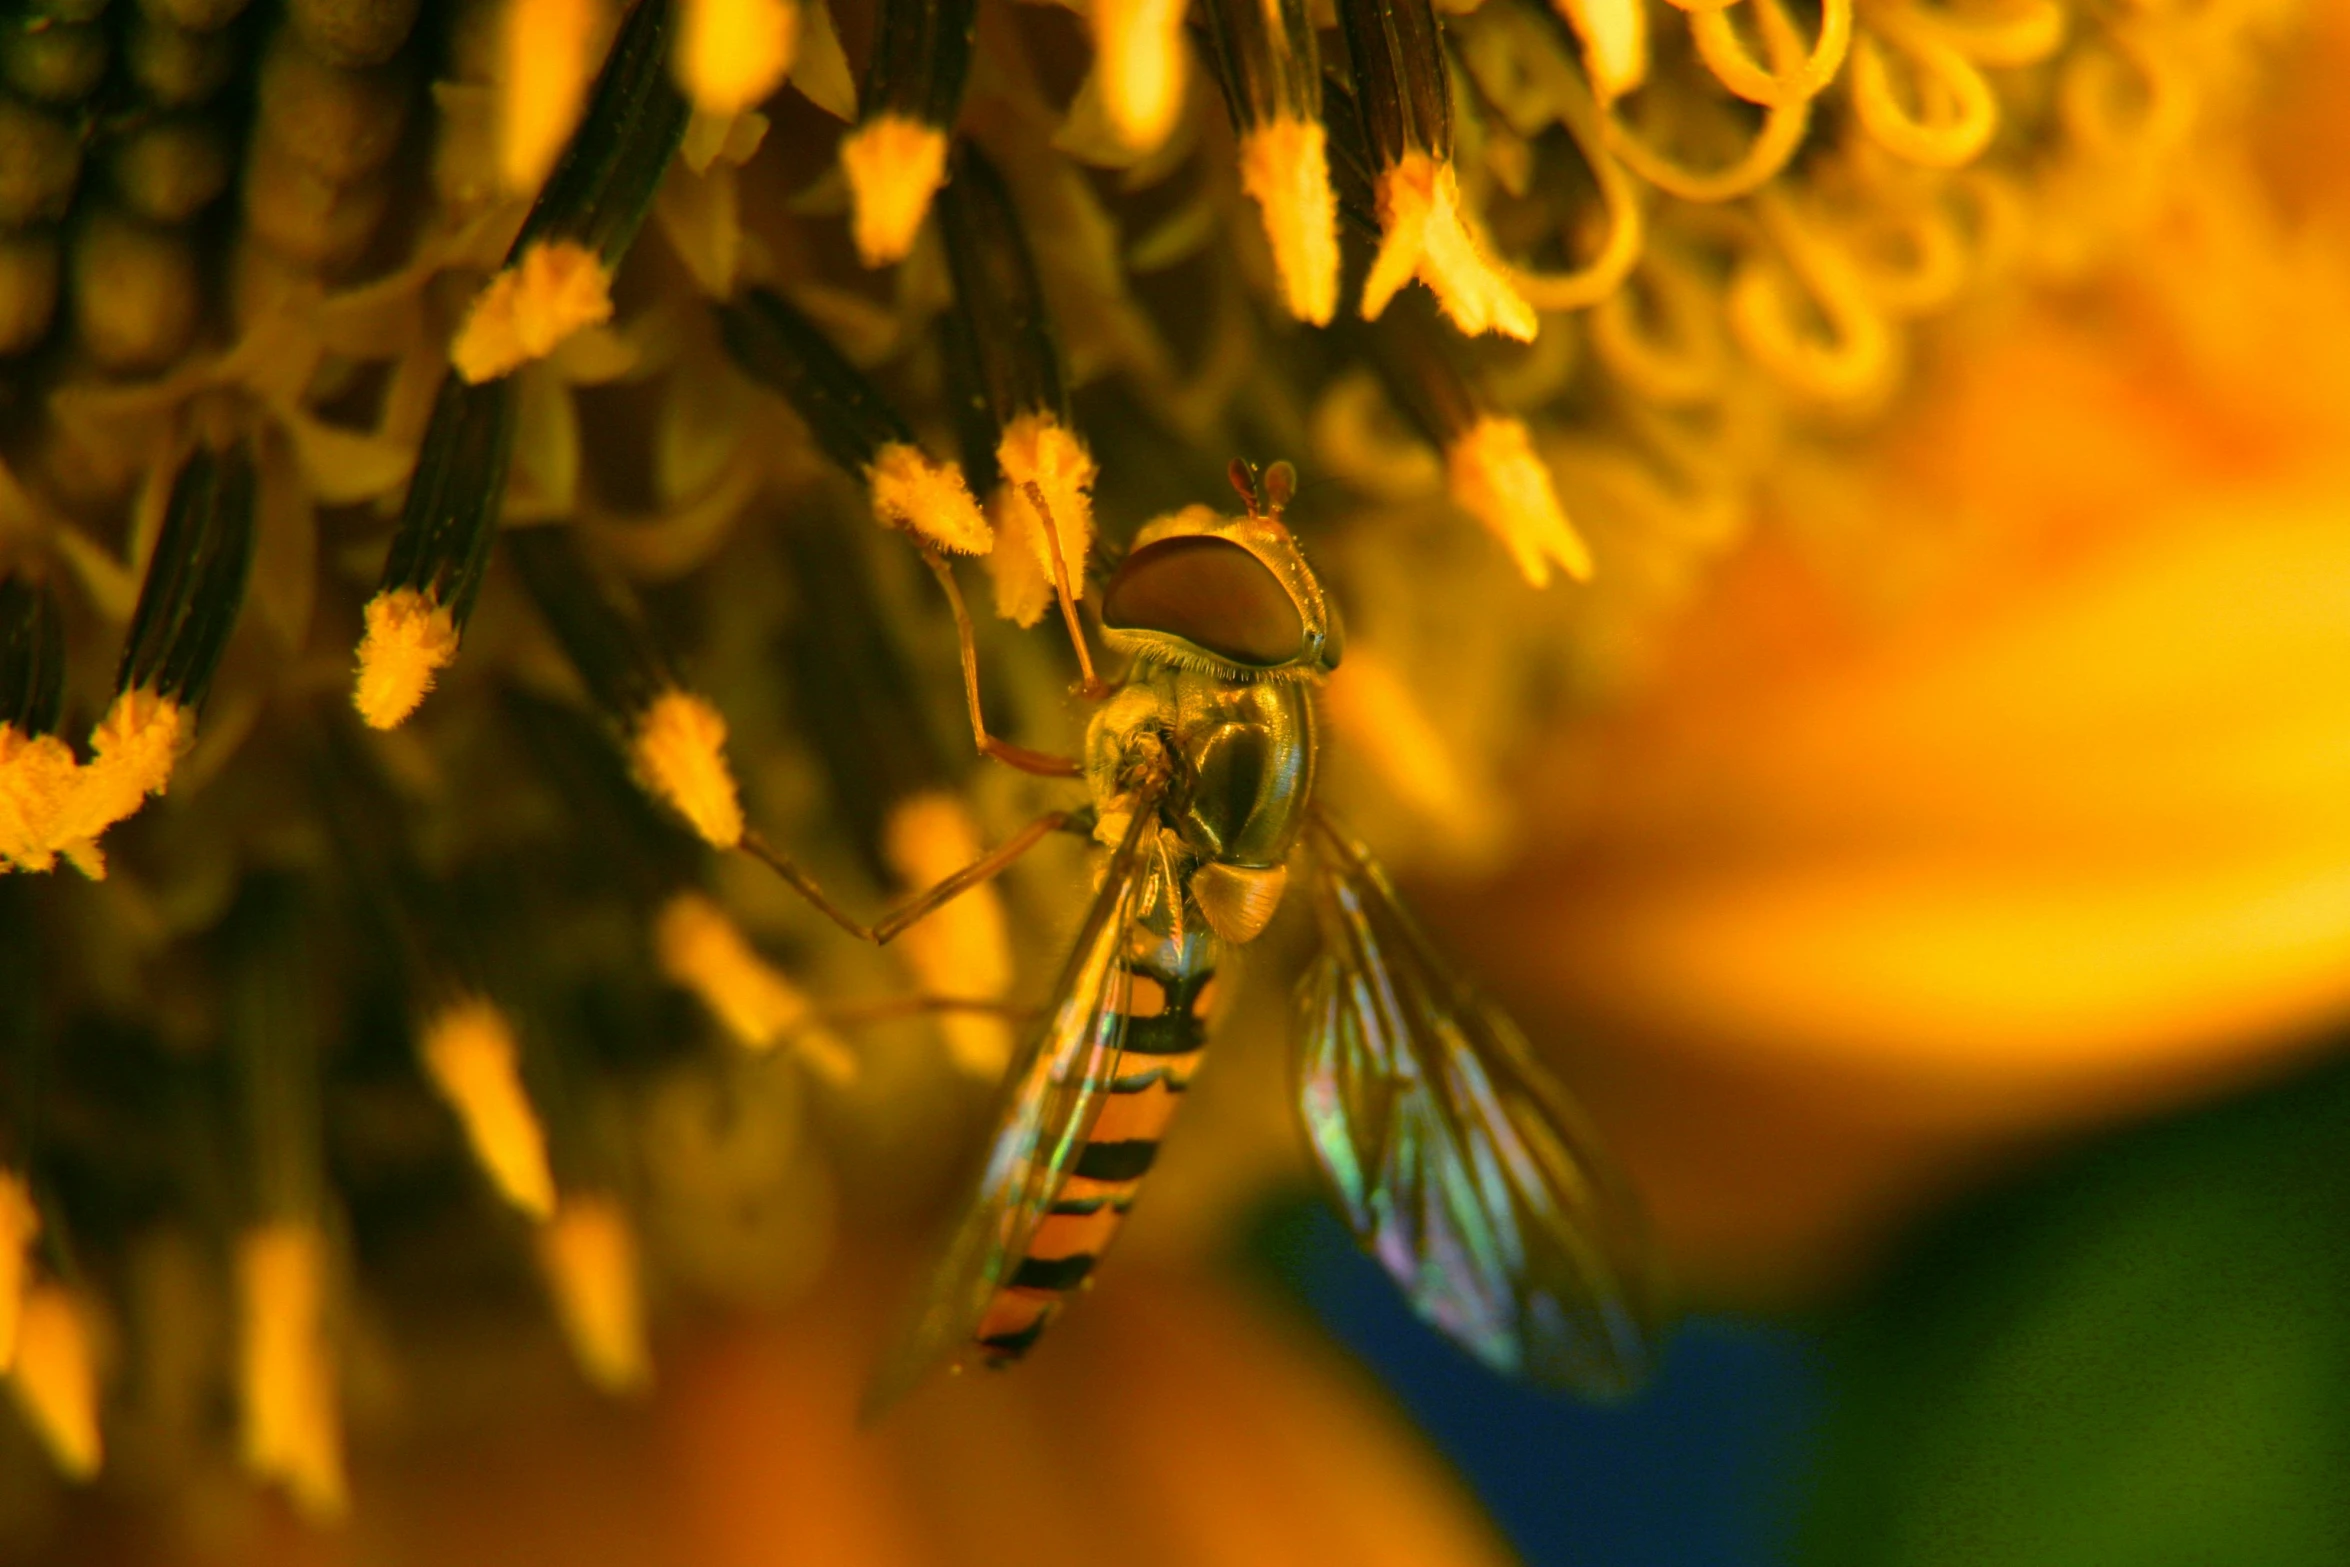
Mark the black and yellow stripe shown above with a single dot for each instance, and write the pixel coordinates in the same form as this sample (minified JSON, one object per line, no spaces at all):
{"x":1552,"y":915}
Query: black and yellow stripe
{"x":1164,"y":993}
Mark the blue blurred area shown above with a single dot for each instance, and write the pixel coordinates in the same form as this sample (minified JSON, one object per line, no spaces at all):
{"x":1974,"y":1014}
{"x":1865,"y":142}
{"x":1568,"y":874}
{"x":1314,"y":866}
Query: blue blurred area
{"x":1703,"y":1469}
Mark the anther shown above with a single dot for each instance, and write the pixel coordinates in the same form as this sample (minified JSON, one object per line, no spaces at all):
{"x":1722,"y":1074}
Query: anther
{"x":895,"y":159}
{"x":1404,"y":99}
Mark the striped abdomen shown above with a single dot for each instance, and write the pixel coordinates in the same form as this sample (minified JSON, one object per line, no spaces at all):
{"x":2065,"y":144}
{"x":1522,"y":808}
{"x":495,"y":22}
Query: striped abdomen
{"x":1165,"y":994}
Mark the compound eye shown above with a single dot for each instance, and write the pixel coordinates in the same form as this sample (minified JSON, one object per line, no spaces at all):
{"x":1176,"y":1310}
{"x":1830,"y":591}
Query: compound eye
{"x":1211,"y":593}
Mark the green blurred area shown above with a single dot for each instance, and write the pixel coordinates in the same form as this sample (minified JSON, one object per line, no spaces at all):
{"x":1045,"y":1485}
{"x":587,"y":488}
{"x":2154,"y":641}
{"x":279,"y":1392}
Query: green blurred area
{"x":2139,"y":1355}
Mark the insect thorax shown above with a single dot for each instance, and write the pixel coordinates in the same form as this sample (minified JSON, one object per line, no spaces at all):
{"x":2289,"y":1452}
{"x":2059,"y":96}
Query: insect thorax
{"x":1238,"y":758}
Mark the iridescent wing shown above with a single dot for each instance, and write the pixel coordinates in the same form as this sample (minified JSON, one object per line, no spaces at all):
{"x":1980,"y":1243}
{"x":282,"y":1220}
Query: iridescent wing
{"x":1459,"y":1162}
{"x":1053,"y":1092}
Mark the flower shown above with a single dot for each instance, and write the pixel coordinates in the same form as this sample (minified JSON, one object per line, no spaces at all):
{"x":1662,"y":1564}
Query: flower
{"x":544,"y":414}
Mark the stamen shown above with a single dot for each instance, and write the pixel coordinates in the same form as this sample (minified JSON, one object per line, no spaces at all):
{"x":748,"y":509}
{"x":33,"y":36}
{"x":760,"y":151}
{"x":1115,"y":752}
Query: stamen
{"x":55,"y":1379}
{"x":962,"y":949}
{"x":1272,"y":74}
{"x":471,"y":1056}
{"x":1139,"y":57}
{"x":286,"y":1372}
{"x":1494,"y":473}
{"x":679,"y":751}
{"x":731,"y":54}
{"x":895,"y":166}
{"x":547,"y":60}
{"x":701,"y":950}
{"x":929,"y":499}
{"x":20,"y":1224}
{"x":438,"y":557}
{"x":1426,"y":235}
{"x":526,"y":311}
{"x":587,"y":1253}
{"x":38,"y":774}
{"x":913,"y":90}
{"x":409,"y":641}
{"x":1285,"y":170}
{"x":1001,"y":346}
{"x":1037,"y":450}
{"x":135,"y":746}
{"x":1404,"y":101}
{"x":855,"y":425}
{"x":37,"y":770}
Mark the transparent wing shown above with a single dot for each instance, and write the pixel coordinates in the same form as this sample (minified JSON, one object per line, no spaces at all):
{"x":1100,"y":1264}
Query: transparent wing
{"x":1053,"y":1092}
{"x":1460,"y":1163}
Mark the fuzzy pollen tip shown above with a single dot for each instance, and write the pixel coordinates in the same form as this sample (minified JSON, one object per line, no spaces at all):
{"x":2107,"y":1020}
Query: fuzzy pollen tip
{"x":731,"y":54}
{"x":526,"y":311}
{"x":409,"y":640}
{"x":1425,"y":235}
{"x":1035,"y":449}
{"x":286,"y":1371}
{"x":55,"y":1379}
{"x":547,"y":50}
{"x":895,"y":164}
{"x":1285,"y":169}
{"x":929,"y":499}
{"x":1494,"y":473}
{"x":587,"y":1253}
{"x":471,"y":1056}
{"x":680,"y":753}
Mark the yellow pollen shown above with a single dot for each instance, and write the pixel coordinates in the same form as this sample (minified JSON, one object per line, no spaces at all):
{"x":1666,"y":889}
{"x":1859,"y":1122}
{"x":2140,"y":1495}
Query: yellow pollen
{"x":701,"y":950}
{"x":1285,"y":168}
{"x":731,"y":54}
{"x":409,"y":640}
{"x":37,"y":775}
{"x":930,"y":500}
{"x":526,"y":311}
{"x":20,"y":1222}
{"x":55,"y":1379}
{"x":1036,"y":449}
{"x":547,"y":64}
{"x":470,"y":1054}
{"x":285,"y":1367}
{"x":588,"y":1254}
{"x":962,"y":949}
{"x":1139,"y":53}
{"x":1495,"y":475}
{"x":1614,"y":34}
{"x":680,"y":754}
{"x":895,"y":164}
{"x":134,"y":748}
{"x":1426,"y":236}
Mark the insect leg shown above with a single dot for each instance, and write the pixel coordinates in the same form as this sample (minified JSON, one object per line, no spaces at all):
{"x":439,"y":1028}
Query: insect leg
{"x":1093,"y":687}
{"x":987,"y":866}
{"x":1040,"y":763}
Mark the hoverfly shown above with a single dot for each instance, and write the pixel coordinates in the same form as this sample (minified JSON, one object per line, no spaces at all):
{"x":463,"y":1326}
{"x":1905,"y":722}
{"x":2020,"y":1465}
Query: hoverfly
{"x":1453,"y":1155}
